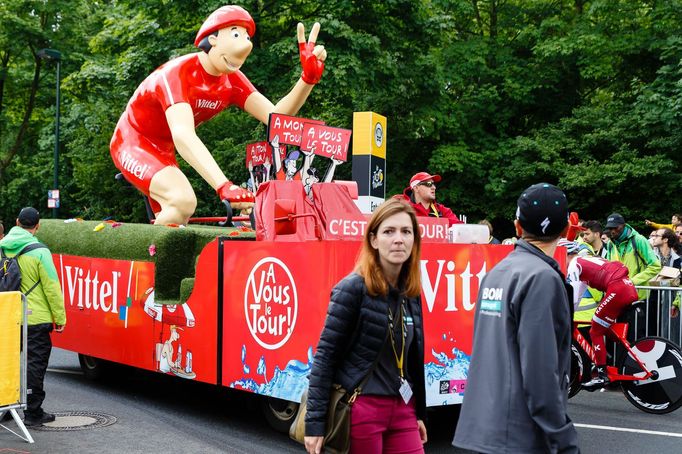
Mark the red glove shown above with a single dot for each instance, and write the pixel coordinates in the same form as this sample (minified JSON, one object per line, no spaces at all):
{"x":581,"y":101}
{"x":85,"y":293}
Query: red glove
{"x":312,"y":67}
{"x":238,"y":195}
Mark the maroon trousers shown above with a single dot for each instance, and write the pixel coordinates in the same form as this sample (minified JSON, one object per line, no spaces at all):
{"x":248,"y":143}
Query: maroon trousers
{"x":384,"y":425}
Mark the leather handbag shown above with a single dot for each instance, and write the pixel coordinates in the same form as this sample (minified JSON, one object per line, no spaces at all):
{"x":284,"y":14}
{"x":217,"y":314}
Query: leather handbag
{"x":337,"y":428}
{"x":337,"y":432}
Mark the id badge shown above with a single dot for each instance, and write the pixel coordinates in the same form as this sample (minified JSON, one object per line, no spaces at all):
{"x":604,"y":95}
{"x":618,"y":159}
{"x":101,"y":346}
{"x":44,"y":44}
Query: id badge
{"x":405,"y":390}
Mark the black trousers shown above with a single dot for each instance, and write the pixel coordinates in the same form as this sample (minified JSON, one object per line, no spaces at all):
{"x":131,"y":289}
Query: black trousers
{"x":39,"y":349}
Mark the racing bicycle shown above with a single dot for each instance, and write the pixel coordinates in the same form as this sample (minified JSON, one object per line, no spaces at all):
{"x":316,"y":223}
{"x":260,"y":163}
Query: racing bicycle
{"x":649,"y":372}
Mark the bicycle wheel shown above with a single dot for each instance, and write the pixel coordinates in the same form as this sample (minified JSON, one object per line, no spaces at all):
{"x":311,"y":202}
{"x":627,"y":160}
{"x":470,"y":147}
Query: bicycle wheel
{"x":664,"y":393}
{"x":577,"y":370}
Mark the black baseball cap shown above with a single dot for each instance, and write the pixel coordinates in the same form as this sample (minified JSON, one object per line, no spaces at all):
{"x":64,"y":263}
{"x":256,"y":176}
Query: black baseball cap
{"x":542,"y":210}
{"x":614,"y":220}
{"x":29,"y":217}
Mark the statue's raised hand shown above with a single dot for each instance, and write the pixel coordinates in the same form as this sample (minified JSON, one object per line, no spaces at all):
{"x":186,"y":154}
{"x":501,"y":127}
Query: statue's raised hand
{"x":312,"y":56}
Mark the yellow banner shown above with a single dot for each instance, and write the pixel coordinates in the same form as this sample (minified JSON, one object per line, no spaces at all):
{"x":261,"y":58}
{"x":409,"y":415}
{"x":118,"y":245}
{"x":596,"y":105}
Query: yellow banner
{"x":10,"y":342}
{"x":369,"y":134}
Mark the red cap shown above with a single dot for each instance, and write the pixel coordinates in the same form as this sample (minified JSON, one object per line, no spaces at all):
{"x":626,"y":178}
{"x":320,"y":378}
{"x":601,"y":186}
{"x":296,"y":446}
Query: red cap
{"x":223,"y":17}
{"x":421,"y":177}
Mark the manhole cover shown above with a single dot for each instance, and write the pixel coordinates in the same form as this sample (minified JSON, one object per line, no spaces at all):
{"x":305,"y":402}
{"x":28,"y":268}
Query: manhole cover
{"x":77,"y":420}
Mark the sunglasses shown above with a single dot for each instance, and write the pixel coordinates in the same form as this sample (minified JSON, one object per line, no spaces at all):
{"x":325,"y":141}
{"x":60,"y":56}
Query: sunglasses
{"x":428,"y":184}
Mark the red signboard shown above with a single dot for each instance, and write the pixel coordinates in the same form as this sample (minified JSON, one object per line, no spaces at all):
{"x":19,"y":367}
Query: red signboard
{"x":326,"y":141}
{"x":111,"y":314}
{"x":288,"y":129}
{"x":275,"y":308}
{"x":274,"y":304}
{"x":259,"y":152}
{"x":433,"y":230}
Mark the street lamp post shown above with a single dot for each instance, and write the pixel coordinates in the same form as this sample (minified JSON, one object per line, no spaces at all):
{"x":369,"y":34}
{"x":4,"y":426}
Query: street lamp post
{"x":54,"y":55}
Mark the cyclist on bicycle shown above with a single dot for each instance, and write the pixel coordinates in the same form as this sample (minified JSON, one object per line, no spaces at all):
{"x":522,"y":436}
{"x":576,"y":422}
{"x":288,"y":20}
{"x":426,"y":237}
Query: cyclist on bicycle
{"x":619,"y":292}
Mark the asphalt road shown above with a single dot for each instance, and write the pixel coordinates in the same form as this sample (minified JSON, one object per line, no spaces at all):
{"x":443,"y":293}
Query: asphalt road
{"x":157,"y":413}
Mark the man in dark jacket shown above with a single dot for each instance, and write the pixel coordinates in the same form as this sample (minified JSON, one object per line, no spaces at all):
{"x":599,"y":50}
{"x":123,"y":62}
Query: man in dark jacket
{"x":516,"y":395}
{"x":421,"y":194}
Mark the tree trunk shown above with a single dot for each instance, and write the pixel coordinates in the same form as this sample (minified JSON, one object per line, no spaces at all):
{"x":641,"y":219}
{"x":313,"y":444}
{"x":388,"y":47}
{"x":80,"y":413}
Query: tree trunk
{"x":9,"y":155}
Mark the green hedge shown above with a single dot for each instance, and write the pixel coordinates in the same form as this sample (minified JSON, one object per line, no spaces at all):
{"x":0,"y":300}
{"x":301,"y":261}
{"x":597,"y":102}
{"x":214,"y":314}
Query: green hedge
{"x":177,"y":249}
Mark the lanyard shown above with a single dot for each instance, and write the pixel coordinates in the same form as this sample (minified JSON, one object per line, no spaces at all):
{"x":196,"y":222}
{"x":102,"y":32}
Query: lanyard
{"x":398,"y":360}
{"x":434,"y":211}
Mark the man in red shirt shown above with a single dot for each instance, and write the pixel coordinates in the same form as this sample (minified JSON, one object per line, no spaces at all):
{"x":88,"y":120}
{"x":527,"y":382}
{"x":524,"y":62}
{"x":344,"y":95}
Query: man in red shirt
{"x":619,"y":292}
{"x":421,"y":194}
{"x":171,"y":102}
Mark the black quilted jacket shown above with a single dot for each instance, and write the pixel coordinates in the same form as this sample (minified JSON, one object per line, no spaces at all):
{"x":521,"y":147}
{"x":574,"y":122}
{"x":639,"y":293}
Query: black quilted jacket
{"x":354,"y":331}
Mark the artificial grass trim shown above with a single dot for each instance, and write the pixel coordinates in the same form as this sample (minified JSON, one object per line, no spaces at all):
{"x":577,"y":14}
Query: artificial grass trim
{"x":175,"y":249}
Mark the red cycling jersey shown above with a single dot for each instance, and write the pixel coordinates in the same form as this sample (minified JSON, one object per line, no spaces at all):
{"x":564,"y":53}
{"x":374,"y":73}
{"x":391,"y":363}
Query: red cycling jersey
{"x":619,"y":292}
{"x":597,"y":272}
{"x":142,"y":143}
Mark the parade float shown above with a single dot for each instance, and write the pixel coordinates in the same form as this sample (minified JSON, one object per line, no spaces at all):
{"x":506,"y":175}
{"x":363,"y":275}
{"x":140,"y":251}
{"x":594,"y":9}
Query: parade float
{"x":242,"y":306}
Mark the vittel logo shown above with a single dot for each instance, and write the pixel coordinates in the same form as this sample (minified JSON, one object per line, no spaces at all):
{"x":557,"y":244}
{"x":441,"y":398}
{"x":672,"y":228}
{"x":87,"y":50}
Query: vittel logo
{"x":270,"y":303}
{"x":133,"y":166}
{"x":432,"y":284}
{"x":92,"y":292}
{"x":206,"y":104}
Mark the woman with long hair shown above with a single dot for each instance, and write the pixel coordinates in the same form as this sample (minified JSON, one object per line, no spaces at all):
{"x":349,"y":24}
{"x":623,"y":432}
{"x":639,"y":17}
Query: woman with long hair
{"x":373,"y":335}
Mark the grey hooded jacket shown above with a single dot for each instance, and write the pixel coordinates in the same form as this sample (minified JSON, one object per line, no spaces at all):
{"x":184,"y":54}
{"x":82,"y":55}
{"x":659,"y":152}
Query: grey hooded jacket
{"x":517,"y":387}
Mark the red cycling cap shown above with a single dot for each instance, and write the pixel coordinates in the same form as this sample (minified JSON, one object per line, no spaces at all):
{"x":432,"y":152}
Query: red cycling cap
{"x":223,"y":17}
{"x":421,"y":177}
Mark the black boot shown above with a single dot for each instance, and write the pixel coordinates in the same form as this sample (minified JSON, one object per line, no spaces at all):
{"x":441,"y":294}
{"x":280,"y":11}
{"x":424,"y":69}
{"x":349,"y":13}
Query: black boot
{"x":38,"y":421}
{"x":598,"y":382}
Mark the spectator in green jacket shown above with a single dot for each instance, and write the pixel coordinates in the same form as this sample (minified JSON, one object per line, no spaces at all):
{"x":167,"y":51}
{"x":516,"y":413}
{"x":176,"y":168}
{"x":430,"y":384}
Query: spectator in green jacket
{"x":633,"y":250}
{"x":40,"y":284}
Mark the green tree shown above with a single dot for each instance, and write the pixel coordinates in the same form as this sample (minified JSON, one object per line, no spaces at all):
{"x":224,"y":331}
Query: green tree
{"x":492,"y":94}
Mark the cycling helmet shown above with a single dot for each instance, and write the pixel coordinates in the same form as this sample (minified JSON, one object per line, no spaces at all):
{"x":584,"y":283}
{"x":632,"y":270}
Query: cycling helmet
{"x":224,"y":16}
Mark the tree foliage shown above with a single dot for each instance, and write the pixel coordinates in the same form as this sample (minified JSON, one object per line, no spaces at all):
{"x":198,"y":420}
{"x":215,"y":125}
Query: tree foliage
{"x":492,"y":94}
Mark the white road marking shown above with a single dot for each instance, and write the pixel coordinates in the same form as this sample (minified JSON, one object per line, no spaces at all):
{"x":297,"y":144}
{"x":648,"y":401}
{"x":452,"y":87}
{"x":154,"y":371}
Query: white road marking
{"x":625,"y":429}
{"x":65,"y":371}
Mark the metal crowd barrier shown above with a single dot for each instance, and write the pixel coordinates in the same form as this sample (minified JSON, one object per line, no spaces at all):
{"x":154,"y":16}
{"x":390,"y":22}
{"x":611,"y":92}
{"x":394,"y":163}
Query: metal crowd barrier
{"x":650,"y":316}
{"x":661,"y":315}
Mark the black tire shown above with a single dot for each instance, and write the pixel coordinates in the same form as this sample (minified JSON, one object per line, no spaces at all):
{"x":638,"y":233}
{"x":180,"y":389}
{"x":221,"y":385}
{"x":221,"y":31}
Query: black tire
{"x":93,"y":368}
{"x":660,"y":395}
{"x":279,"y":414}
{"x":579,"y":363}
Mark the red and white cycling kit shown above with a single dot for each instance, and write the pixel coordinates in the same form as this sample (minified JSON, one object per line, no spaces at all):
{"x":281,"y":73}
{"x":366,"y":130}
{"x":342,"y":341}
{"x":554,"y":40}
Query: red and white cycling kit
{"x":142,"y":143}
{"x":619,"y":292}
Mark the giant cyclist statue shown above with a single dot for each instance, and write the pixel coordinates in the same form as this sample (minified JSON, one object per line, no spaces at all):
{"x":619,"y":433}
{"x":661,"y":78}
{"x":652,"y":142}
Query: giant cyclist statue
{"x":172,"y":101}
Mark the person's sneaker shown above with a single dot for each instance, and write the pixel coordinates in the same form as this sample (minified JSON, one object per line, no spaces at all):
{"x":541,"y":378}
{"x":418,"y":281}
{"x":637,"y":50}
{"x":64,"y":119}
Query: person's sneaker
{"x":598,"y":382}
{"x":46,"y":417}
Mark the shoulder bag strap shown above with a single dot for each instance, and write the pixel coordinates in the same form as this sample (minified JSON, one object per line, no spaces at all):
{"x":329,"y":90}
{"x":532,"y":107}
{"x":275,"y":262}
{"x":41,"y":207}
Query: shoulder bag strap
{"x":32,"y":287}
{"x":29,"y":248}
{"x":638,"y":257}
{"x":358,"y":388}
